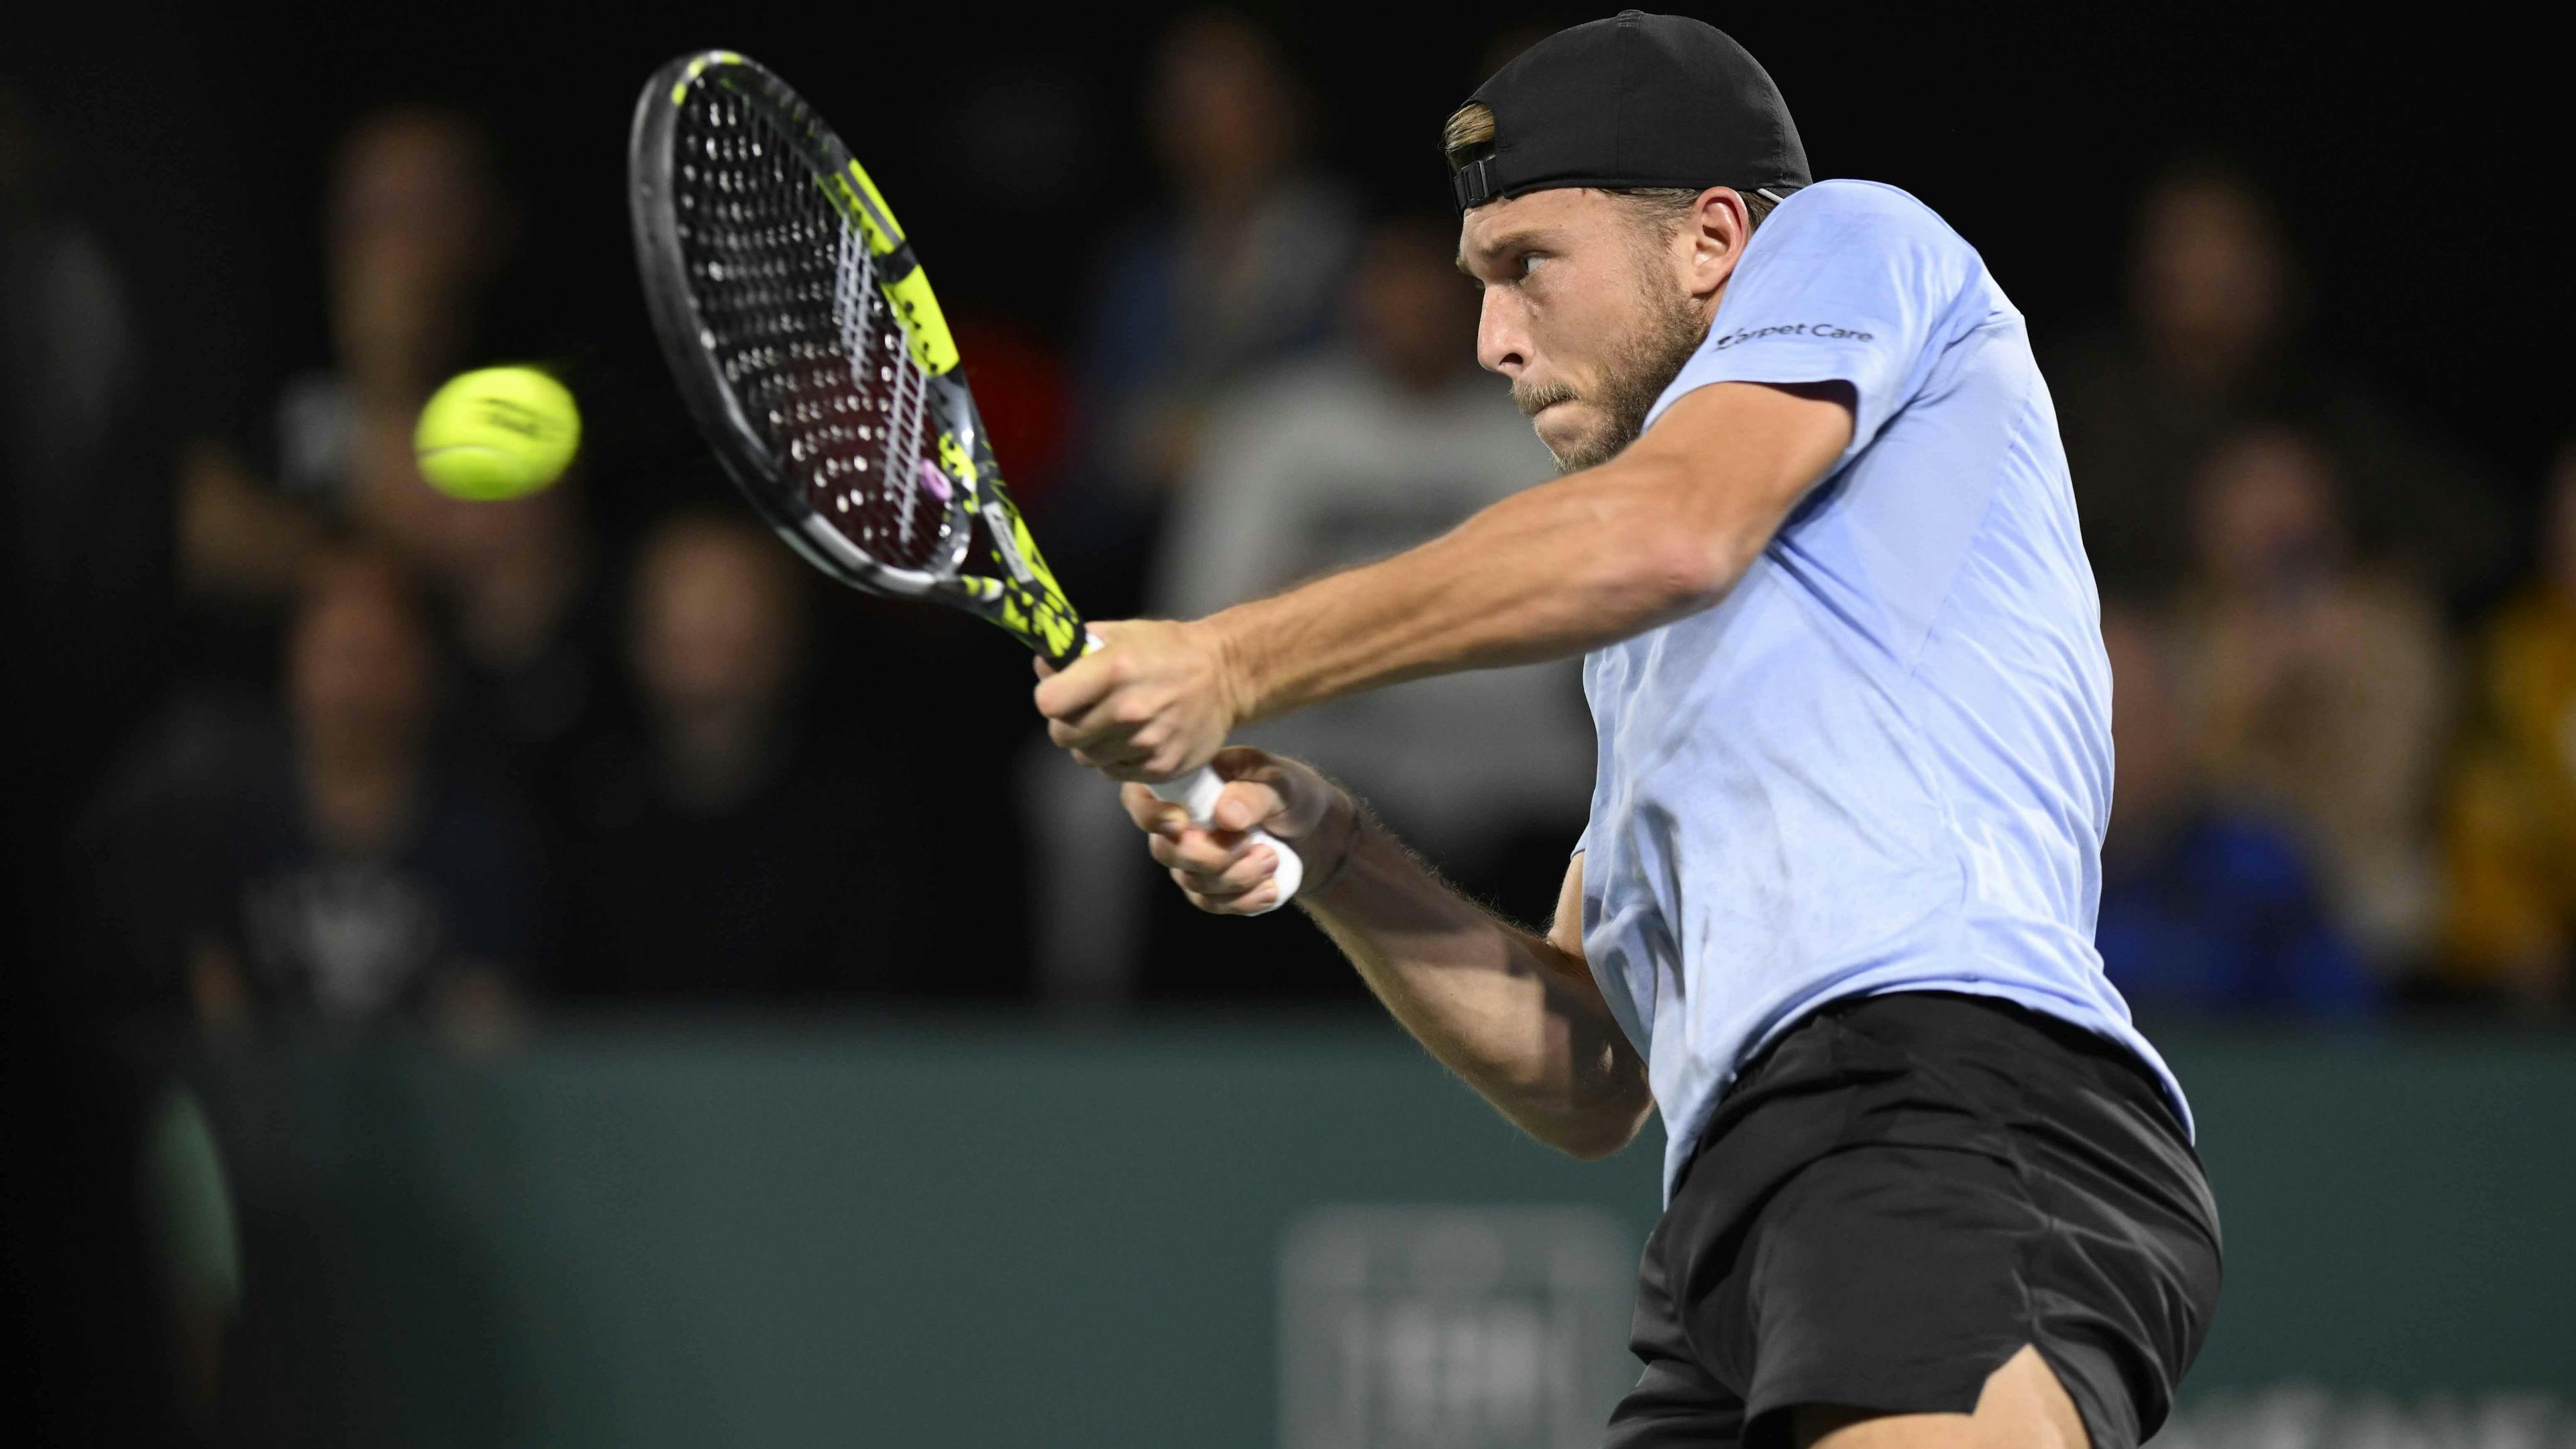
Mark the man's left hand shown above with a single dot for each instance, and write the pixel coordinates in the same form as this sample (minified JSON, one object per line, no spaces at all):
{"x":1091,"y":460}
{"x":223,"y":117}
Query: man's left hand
{"x":1155,"y":700}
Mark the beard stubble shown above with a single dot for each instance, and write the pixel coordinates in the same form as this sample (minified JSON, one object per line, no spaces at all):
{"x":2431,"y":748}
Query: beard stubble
{"x":1668,"y":331}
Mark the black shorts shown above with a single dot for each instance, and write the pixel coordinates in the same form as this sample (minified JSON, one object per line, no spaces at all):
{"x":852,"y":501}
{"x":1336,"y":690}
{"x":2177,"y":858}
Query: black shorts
{"x":1899,"y":1194}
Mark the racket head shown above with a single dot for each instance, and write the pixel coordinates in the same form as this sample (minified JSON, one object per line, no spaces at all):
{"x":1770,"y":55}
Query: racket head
{"x":812,"y":353}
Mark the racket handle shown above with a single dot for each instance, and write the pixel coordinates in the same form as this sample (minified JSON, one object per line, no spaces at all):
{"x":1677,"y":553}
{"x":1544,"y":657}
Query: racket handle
{"x":1196,"y":792}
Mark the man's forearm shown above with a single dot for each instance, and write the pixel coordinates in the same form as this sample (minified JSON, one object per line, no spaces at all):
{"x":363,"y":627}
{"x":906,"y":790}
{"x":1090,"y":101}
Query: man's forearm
{"x":1664,"y":530}
{"x":1515,"y":1016}
{"x":1549,"y":573}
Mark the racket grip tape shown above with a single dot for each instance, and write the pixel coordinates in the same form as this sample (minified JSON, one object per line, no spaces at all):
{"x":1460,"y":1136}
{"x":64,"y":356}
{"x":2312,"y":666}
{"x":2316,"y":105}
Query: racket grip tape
{"x":1196,"y":792}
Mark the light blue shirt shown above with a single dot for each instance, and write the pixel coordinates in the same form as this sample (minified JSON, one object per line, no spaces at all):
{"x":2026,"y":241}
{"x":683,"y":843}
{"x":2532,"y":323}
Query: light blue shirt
{"x":1883,"y":762}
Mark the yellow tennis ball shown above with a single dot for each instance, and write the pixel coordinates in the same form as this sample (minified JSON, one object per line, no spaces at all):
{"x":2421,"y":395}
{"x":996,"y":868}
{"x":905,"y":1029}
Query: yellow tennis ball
{"x":497,"y":432}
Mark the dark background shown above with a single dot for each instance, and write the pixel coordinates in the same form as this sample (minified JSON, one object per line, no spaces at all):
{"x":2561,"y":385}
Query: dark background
{"x":2402,"y":156}
{"x":2403,"y":159}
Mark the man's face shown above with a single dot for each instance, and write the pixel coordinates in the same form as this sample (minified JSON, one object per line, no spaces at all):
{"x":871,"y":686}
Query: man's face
{"x":359,"y":662}
{"x":2210,"y":284}
{"x":714,"y":621}
{"x":1587,"y":309}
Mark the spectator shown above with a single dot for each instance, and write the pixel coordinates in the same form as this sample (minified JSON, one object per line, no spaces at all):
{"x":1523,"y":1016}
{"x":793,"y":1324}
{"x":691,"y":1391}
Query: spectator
{"x":1241,"y":267}
{"x":535,"y":643}
{"x":2206,"y":909}
{"x":84,"y":503}
{"x":729,"y":853}
{"x":358,"y":879}
{"x":2510,"y":820}
{"x":416,"y":233}
{"x":83,"y":469}
{"x":2215,"y":304}
{"x":533,"y":629}
{"x":2318,"y":684}
{"x":1364,"y":450}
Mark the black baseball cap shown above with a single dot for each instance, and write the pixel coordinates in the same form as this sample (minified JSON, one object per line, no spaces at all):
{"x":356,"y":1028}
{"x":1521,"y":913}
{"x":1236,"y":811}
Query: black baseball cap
{"x":1634,"y":100}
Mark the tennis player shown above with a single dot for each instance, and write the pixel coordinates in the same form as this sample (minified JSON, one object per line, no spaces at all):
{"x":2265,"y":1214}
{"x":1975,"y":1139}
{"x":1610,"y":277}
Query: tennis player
{"x":1925,"y":1184}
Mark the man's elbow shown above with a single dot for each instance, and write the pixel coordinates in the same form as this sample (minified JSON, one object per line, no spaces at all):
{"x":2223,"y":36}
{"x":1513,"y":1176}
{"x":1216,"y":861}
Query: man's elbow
{"x":1603,"y":1127}
{"x":1682,"y":573}
{"x":1681,"y":559}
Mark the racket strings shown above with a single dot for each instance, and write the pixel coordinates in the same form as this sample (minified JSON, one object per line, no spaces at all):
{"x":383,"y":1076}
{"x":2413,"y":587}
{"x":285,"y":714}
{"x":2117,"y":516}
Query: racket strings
{"x":908,"y":406}
{"x":788,"y":306}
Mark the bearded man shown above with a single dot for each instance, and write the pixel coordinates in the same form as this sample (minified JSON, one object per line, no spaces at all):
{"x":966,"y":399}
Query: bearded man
{"x":1926,"y":1185}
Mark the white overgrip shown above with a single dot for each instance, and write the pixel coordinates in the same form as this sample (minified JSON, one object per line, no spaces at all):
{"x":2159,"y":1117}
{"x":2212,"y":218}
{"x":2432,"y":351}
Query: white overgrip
{"x":1196,"y":792}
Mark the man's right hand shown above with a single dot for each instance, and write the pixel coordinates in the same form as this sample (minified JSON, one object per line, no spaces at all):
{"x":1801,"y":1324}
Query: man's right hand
{"x":1216,"y":865}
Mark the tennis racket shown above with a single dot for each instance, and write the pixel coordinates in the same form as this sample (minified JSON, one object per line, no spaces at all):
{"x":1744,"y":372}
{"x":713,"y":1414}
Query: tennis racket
{"x":810,"y":349}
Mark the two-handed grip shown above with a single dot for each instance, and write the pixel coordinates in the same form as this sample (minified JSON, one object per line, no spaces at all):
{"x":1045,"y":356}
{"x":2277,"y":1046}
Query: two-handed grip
{"x":1196,"y":793}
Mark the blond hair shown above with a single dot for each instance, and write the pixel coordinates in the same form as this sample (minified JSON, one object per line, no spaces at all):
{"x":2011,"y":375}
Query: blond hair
{"x":1469,"y":136}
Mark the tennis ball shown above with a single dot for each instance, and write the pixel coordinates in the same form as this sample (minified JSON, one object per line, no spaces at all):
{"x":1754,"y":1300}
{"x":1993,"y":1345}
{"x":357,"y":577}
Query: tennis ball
{"x":497,"y":432}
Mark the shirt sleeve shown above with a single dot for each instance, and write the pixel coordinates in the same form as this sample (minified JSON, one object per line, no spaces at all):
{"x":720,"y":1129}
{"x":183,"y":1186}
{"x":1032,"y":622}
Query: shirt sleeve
{"x":1844,"y":282}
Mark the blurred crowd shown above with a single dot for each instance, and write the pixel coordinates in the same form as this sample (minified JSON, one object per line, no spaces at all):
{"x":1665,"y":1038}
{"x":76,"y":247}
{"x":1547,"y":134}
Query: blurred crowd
{"x":378,"y":754}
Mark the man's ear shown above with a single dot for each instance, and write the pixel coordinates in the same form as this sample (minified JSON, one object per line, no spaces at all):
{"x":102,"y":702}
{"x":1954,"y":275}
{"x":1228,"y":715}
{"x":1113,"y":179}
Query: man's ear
{"x":1719,"y":227}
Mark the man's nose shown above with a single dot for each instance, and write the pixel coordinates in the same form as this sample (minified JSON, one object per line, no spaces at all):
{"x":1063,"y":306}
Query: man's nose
{"x":1502,"y":345}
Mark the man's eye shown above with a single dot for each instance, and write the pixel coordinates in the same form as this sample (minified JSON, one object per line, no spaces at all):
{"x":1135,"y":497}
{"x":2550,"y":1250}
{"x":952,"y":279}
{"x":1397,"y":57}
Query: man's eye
{"x":1529,"y":263}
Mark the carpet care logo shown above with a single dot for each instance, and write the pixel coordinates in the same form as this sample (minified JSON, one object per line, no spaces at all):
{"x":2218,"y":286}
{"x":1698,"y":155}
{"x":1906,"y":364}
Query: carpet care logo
{"x":1742,"y":335}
